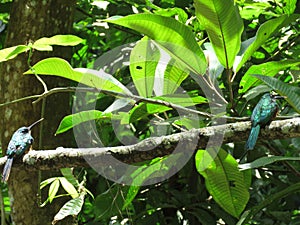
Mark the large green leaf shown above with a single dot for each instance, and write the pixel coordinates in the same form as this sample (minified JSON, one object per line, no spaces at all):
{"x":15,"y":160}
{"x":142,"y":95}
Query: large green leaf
{"x":292,"y":93}
{"x":266,"y":161}
{"x":265,"y":31}
{"x":223,"y":180}
{"x":144,"y":58}
{"x":224,"y":26}
{"x":267,"y":69}
{"x":68,"y":187}
{"x":73,"y":120}
{"x":173,"y":36}
{"x":93,"y":78}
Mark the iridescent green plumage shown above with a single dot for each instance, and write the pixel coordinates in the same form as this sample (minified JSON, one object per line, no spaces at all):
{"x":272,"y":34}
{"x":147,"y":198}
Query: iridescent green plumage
{"x":262,"y":115}
{"x":18,"y":145}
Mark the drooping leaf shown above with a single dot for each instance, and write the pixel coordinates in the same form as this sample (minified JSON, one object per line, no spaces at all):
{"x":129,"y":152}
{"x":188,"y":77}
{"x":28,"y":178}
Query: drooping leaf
{"x":223,"y":180}
{"x":263,"y":161}
{"x":224,"y":27}
{"x":72,"y":120}
{"x":267,"y":69}
{"x":69,"y":188}
{"x":93,"y":78}
{"x":12,"y":52}
{"x":144,"y":58}
{"x":46,"y":182}
{"x":265,"y":31}
{"x":173,"y":36}
{"x":292,"y":93}
{"x":68,"y":174}
{"x":71,"y":208}
{"x":53,"y":189}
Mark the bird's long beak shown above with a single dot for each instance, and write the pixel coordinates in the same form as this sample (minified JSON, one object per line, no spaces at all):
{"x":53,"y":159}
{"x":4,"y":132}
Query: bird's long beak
{"x":36,"y":122}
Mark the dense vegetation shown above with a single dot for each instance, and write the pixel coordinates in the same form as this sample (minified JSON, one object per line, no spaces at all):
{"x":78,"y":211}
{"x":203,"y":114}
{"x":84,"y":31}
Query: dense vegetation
{"x":214,"y":57}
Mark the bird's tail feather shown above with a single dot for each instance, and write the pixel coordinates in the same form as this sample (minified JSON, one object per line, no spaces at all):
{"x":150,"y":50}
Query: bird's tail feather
{"x":252,"y":138}
{"x":7,"y":168}
{"x":251,"y":141}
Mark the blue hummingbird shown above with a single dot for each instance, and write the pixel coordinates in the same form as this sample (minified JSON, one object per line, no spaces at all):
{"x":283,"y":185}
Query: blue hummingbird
{"x":264,"y":112}
{"x":20,"y":143}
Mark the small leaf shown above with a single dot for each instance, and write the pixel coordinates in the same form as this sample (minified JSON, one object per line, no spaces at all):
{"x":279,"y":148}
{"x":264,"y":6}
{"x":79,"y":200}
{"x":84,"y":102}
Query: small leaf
{"x":46,"y":182}
{"x":53,"y":190}
{"x":69,"y":187}
{"x":12,"y":52}
{"x":73,"y":120}
{"x":63,"y":40}
{"x":71,"y":208}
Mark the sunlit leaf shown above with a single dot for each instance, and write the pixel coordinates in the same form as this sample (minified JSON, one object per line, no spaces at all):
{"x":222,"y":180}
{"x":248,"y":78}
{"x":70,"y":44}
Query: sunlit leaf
{"x":224,"y":27}
{"x":68,"y":187}
{"x":267,"y":69}
{"x":223,"y":180}
{"x":291,"y":93}
{"x":72,"y":120}
{"x":263,"y":161}
{"x":71,"y":208}
{"x":265,"y":31}
{"x":53,"y":189}
{"x":173,"y":36}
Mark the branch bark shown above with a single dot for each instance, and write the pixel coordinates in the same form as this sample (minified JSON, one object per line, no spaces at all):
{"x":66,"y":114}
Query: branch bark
{"x":155,"y":147}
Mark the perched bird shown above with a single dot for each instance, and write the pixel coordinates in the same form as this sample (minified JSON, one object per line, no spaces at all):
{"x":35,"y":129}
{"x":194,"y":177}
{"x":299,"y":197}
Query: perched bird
{"x":18,"y":145}
{"x":264,"y":112}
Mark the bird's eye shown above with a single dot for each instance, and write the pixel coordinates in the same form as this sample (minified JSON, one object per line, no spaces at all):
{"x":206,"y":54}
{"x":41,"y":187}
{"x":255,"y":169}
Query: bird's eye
{"x":24,"y":131}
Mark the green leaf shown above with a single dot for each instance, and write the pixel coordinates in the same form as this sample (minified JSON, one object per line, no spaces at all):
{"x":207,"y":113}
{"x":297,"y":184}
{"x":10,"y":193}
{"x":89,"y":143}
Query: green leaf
{"x":73,"y":120}
{"x":174,"y":74}
{"x":292,"y":93}
{"x":265,"y":31}
{"x":68,"y":174}
{"x":68,"y":187}
{"x":71,"y":208}
{"x":267,"y":69}
{"x":274,"y":197}
{"x":93,"y":78}
{"x":144,"y":58}
{"x":173,"y":36}
{"x":132,"y":192}
{"x":53,"y":190}
{"x":63,"y":40}
{"x":223,"y":180}
{"x":46,"y":182}
{"x":224,"y":26}
{"x":266,"y":161}
{"x":12,"y":52}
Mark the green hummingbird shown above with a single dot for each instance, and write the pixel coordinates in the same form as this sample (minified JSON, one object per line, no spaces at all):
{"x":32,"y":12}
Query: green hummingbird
{"x":263,"y":113}
{"x":17,"y":146}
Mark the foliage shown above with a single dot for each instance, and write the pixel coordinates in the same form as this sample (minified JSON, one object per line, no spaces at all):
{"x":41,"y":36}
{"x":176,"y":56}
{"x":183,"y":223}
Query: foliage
{"x":237,"y":51}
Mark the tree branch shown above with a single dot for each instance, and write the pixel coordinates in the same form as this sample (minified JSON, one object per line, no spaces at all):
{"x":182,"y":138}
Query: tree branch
{"x":157,"y":146}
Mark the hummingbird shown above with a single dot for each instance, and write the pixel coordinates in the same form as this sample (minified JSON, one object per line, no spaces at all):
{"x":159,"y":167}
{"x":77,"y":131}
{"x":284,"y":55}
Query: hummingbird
{"x":263,"y":113}
{"x":19,"y":144}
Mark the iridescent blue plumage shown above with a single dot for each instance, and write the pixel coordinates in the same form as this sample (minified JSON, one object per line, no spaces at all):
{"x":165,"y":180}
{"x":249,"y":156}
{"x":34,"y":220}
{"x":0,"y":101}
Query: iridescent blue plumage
{"x":262,"y":115}
{"x":18,"y":145}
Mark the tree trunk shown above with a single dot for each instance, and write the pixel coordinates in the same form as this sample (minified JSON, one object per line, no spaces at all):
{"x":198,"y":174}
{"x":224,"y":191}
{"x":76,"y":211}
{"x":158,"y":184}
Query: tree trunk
{"x":29,"y":21}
